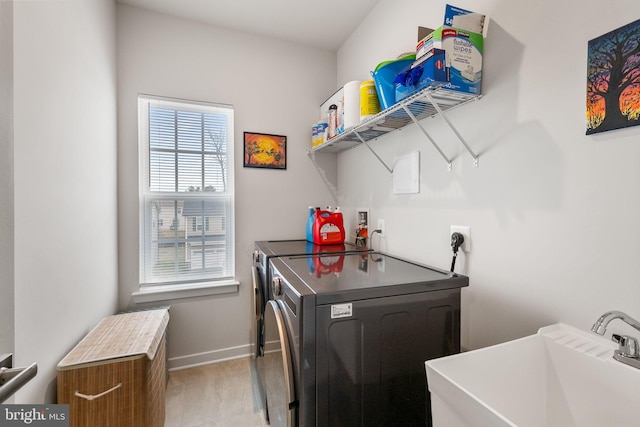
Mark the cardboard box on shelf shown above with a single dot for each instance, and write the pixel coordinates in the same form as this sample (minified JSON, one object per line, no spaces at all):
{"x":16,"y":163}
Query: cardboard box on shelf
{"x":463,"y":19}
{"x":423,"y":32}
{"x":428,"y":70}
{"x":424,"y":45}
{"x":463,"y":56}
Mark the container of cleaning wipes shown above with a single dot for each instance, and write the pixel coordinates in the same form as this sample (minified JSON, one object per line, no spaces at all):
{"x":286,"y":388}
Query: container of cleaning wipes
{"x":463,"y":57}
{"x":369,"y":104}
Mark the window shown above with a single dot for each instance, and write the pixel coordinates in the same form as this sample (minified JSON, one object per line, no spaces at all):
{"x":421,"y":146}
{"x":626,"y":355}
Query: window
{"x":186,"y":192}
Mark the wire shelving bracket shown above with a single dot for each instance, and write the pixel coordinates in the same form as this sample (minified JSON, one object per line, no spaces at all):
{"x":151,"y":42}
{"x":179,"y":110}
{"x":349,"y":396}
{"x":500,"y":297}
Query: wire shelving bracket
{"x":428,"y":102}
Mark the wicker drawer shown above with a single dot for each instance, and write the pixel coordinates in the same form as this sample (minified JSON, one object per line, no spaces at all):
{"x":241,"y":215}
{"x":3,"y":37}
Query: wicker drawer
{"x":116,"y":375}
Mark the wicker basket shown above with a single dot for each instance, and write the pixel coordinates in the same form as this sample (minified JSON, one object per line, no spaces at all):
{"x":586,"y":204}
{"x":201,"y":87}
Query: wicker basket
{"x":115,"y":376}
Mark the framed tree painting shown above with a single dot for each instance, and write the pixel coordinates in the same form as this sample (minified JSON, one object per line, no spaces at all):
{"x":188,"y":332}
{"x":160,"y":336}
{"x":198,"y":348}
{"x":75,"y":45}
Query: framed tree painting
{"x":613,"y":80}
{"x":263,"y":150}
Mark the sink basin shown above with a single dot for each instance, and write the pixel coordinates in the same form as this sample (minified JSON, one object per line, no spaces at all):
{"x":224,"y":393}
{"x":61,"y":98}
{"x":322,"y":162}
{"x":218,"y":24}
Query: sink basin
{"x":559,"y":377}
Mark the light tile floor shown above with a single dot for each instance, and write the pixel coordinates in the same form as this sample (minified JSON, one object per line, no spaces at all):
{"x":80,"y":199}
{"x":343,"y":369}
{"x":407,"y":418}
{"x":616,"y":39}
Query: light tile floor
{"x":216,"y":395}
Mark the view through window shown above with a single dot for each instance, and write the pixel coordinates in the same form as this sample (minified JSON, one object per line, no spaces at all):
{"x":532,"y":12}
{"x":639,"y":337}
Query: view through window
{"x":186,"y":191}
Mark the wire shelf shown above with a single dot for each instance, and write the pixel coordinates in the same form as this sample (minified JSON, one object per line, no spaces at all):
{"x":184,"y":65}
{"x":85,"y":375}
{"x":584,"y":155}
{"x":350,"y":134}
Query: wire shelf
{"x":428,"y":102}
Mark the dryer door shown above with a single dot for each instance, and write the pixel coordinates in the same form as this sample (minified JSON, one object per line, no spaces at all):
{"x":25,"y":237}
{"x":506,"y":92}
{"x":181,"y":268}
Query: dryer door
{"x":278,"y":364}
{"x":258,"y":307}
{"x":258,"y":335}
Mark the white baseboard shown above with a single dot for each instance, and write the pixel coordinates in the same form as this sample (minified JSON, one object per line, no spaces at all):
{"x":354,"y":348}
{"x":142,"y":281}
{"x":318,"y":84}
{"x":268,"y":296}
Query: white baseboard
{"x":206,"y":358}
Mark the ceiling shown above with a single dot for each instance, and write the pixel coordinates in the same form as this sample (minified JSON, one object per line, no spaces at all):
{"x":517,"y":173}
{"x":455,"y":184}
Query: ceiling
{"x":322,"y":24}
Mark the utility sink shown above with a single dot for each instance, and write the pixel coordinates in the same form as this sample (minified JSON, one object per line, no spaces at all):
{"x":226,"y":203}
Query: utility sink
{"x":559,"y":377}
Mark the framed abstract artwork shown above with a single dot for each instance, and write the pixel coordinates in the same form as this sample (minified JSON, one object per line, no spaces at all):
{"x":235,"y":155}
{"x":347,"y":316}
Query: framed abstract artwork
{"x":263,"y":150}
{"x":613,"y":80}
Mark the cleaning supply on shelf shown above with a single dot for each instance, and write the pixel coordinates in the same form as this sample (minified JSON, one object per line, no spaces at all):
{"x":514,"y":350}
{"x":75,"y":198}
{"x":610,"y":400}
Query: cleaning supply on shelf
{"x":332,"y":130}
{"x":318,"y":134}
{"x":351,"y":103}
{"x":322,"y":132}
{"x":314,"y":135}
{"x":369,"y":103}
{"x":429,"y":70}
{"x":328,"y":227}
{"x":383,"y":76}
{"x":340,"y":126}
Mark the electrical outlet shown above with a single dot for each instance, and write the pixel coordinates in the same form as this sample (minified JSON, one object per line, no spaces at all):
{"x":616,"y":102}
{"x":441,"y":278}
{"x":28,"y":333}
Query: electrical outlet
{"x":465,"y":230}
{"x":381,"y":227}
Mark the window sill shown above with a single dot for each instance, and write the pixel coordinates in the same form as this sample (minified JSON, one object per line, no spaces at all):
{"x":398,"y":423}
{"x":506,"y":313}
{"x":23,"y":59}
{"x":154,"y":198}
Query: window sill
{"x":175,"y":292}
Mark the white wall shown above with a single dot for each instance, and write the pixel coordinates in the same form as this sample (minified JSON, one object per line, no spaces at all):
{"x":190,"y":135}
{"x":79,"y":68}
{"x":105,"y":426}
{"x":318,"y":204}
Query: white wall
{"x":64,"y":180}
{"x":6,"y":178}
{"x":553,"y":213}
{"x":275,"y":87}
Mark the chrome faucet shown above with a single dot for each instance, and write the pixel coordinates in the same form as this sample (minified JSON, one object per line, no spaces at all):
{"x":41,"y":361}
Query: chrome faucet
{"x":628,"y":352}
{"x":600,"y":327}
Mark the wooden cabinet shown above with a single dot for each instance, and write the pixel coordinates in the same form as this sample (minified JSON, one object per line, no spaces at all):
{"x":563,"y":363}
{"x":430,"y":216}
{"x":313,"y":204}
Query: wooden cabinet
{"x":116,"y":376}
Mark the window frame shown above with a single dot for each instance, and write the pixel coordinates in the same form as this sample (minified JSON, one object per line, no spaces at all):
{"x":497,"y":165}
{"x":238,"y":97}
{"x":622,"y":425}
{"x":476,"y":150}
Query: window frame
{"x":173,"y":289}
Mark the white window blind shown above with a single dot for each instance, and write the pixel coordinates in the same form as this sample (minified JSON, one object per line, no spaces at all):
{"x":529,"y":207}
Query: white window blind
{"x":186,"y":191}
